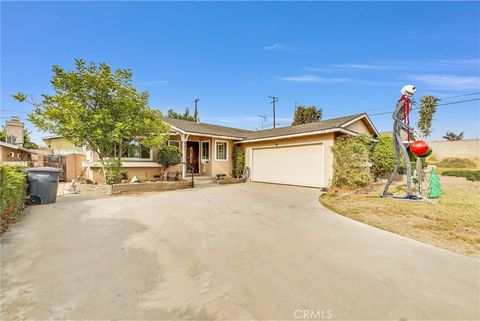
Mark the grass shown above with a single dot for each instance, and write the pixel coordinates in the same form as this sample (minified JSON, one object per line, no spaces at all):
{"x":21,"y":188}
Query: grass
{"x":452,"y":223}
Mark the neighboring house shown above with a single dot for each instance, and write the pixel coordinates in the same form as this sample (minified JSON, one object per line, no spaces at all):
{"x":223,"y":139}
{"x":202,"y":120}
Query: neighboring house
{"x":11,"y":154}
{"x":294,"y":155}
{"x":12,"y":151}
{"x":60,"y":146}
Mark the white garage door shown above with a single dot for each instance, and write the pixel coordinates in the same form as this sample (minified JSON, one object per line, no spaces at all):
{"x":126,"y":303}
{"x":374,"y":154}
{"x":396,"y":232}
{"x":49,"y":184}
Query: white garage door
{"x":292,"y":165}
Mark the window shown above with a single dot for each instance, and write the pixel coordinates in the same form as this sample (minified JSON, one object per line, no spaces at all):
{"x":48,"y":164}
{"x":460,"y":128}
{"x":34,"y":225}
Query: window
{"x":134,"y":149}
{"x":206,"y":150}
{"x":175,"y":143}
{"x":221,"y":152}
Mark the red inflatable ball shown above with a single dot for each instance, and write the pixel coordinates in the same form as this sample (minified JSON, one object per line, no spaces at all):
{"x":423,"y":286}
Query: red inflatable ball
{"x":419,"y":147}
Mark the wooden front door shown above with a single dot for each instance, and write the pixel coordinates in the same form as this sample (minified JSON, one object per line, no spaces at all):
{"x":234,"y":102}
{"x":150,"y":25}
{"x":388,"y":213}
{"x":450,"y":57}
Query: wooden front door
{"x":192,"y":156}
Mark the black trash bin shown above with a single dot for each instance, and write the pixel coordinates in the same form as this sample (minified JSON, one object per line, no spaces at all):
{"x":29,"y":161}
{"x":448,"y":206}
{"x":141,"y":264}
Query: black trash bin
{"x":42,"y":184}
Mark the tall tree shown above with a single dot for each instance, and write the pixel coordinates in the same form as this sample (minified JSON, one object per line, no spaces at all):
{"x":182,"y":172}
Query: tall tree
{"x":305,"y":115}
{"x":428,"y":107}
{"x":99,"y":107}
{"x":185,"y":116}
{"x":27,"y":142}
{"x":453,"y":136}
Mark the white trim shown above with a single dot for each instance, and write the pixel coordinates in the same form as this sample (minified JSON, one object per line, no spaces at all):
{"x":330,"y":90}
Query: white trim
{"x":51,"y":137}
{"x":201,"y":150}
{"x":317,"y":132}
{"x":226,"y":152}
{"x":359,"y":118}
{"x":177,"y":141}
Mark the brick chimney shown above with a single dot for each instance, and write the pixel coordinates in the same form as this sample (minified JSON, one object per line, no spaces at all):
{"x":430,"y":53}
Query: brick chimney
{"x":14,"y":128}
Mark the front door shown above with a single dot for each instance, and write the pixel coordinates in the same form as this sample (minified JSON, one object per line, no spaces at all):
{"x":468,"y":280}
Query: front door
{"x":192,"y":156}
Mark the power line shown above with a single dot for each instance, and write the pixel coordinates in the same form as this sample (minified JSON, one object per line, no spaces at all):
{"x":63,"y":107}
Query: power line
{"x":444,"y":104}
{"x":463,"y":95}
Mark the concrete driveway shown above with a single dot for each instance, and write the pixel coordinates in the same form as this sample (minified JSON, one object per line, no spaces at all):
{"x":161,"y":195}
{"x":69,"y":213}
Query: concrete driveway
{"x":237,"y":252}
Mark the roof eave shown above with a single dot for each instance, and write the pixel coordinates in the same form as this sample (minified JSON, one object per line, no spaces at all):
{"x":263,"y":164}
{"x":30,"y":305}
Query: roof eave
{"x":316,"y":132}
{"x":369,"y":121}
{"x":204,"y":134}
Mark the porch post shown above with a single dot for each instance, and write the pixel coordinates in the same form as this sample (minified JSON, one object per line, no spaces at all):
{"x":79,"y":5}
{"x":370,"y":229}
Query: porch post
{"x":183,"y":138}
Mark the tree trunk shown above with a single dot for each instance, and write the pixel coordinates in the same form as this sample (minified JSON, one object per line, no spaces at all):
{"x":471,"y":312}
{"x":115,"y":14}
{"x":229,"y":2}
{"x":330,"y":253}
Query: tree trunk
{"x":102,"y":164}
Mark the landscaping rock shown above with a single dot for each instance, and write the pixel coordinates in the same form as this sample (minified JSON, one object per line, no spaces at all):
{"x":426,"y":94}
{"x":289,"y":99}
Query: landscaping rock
{"x":135,"y":179}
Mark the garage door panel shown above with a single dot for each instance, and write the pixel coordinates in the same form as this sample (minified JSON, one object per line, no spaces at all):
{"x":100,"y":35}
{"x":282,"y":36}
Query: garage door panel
{"x":293,"y":165}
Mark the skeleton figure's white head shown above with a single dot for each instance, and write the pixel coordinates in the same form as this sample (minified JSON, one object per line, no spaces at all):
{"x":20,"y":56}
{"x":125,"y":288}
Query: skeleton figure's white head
{"x":408,"y":90}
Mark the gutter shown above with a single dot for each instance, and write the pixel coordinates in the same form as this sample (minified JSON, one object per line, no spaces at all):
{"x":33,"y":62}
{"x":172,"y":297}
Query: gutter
{"x":317,"y":132}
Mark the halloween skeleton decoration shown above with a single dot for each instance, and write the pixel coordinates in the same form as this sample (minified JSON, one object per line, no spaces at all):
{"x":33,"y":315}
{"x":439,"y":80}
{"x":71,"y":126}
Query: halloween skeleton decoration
{"x":401,"y":121}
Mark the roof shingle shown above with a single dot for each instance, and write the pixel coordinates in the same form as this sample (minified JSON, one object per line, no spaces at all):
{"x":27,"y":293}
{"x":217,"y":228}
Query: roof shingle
{"x":243,"y":134}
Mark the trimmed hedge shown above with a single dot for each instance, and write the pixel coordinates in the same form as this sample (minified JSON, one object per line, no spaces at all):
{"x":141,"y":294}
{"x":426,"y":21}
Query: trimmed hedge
{"x":12,"y":194}
{"x":169,"y":156}
{"x":469,"y":175}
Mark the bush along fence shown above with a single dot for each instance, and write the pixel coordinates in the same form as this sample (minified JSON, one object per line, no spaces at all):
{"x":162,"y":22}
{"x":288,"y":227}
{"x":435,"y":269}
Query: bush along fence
{"x":12,"y":195}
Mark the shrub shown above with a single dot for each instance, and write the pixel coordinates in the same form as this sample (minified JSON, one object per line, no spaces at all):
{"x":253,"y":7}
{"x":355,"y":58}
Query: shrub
{"x":383,"y":157}
{"x":469,"y":175}
{"x":12,"y":194}
{"x":455,"y":163}
{"x":238,"y":160}
{"x":114,"y":174}
{"x":351,"y":157}
{"x":169,"y":156}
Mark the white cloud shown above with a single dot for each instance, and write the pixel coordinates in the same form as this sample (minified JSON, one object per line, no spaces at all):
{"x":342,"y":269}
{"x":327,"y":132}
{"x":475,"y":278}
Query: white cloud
{"x":457,"y":64}
{"x":280,"y":47}
{"x":452,"y":82}
{"x":311,"y":78}
{"x":317,"y":79}
{"x":362,"y":66}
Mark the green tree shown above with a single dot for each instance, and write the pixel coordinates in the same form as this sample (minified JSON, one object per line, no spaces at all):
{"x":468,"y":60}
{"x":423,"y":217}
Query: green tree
{"x":453,"y":136}
{"x":27,"y":142}
{"x":305,"y":115}
{"x":185,"y":116}
{"x":428,"y":107}
{"x":99,"y":107}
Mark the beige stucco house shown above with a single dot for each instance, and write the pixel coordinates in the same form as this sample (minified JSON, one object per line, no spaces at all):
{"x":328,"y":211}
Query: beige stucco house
{"x":295,"y":155}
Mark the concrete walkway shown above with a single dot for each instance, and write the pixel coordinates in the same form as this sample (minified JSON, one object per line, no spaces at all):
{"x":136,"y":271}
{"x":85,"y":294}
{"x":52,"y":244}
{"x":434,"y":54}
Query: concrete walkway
{"x":236,"y":252}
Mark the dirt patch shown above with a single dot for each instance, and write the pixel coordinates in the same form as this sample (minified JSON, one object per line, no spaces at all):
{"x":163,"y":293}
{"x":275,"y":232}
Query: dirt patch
{"x":451,"y":222}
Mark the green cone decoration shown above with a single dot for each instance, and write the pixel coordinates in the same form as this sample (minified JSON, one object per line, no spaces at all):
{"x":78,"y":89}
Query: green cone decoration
{"x":434,"y":189}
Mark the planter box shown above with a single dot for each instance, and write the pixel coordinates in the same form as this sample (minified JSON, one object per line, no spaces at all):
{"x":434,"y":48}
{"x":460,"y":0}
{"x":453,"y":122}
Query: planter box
{"x":231,"y":181}
{"x":107,"y":190}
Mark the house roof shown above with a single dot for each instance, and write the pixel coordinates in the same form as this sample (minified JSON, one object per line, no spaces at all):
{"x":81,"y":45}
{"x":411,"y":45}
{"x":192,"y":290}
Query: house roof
{"x":17,"y":147}
{"x":190,"y":127}
{"x":52,"y":137}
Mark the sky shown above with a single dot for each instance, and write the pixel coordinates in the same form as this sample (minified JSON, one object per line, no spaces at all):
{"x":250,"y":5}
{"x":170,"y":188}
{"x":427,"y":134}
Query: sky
{"x":343,"y":57}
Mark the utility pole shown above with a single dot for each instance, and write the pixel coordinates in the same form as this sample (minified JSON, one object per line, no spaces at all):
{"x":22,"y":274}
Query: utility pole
{"x":195,"y":113}
{"x":274,"y":100}
{"x":264,"y":119}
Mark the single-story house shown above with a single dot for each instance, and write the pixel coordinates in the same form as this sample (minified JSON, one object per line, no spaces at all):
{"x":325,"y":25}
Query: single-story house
{"x":294,"y":155}
{"x":13,"y":154}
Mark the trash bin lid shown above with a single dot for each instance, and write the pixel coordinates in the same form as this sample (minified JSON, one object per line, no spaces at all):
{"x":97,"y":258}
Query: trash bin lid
{"x":44,"y":169}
